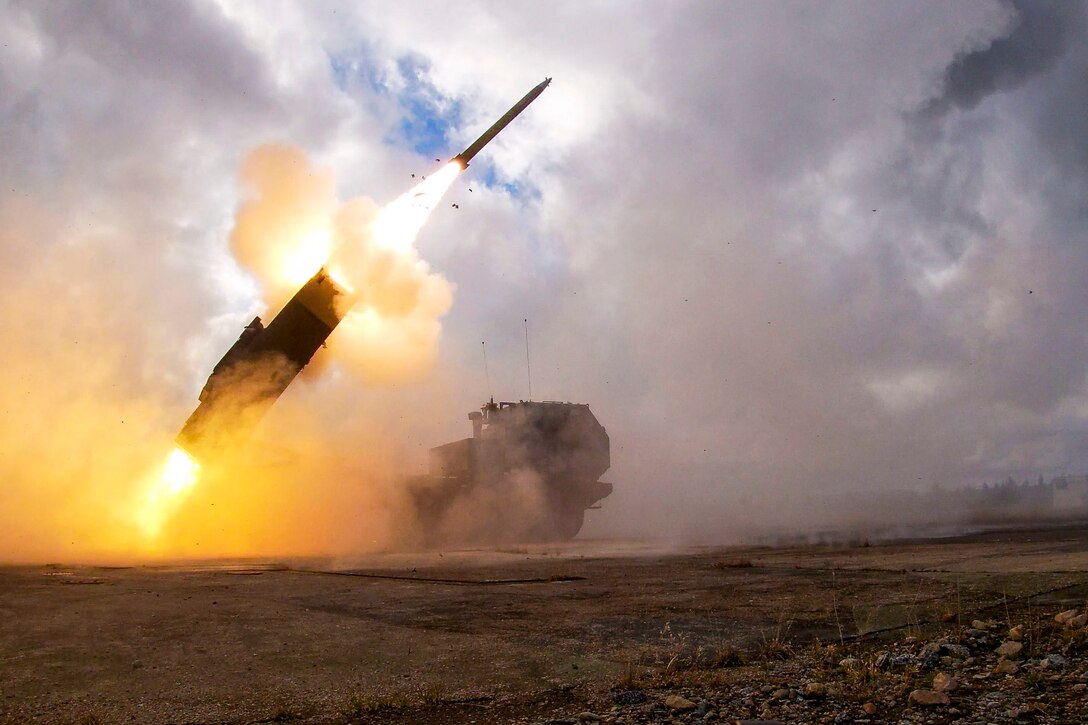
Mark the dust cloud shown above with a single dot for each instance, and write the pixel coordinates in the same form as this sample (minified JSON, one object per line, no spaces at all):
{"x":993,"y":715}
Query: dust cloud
{"x":79,"y":429}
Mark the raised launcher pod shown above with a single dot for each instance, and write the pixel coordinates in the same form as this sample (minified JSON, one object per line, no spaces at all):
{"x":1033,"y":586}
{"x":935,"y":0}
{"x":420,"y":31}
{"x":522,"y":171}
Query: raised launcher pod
{"x":560,"y":450}
{"x":259,"y":366}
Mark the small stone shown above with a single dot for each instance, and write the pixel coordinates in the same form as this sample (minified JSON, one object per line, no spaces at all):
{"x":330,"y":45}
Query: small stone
{"x":979,"y":624}
{"x":1078,"y":621}
{"x":943,"y":682}
{"x":1079,"y":687}
{"x":629,"y":697}
{"x":1064,"y":617}
{"x":588,"y":717}
{"x":1005,"y":667}
{"x":956,"y":650}
{"x":869,"y":708}
{"x":1016,"y":633}
{"x":977,"y":633}
{"x":678,"y":703}
{"x":780,"y":694}
{"x":928,"y":698}
{"x":1053,"y":662}
{"x":815,"y":690}
{"x":1009,"y":650}
{"x":850,"y":663}
{"x":137,"y":664}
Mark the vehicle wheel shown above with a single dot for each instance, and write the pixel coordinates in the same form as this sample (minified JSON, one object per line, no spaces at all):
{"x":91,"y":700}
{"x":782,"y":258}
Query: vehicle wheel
{"x":569,"y":522}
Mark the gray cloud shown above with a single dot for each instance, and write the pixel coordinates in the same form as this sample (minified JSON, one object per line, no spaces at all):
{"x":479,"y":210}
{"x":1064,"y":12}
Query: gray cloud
{"x":1038,"y":36}
{"x":781,"y":249}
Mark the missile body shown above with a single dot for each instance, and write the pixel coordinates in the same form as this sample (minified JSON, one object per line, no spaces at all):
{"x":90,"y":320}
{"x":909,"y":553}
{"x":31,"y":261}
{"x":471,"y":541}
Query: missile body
{"x":259,"y":366}
{"x":465,"y":156}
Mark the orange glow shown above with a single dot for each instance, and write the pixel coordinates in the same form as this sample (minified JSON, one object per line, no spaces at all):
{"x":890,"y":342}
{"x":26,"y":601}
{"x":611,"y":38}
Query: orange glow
{"x":88,"y":462}
{"x":391,"y":335}
{"x":296,"y":264}
{"x":166,"y":492}
{"x":282,"y":232}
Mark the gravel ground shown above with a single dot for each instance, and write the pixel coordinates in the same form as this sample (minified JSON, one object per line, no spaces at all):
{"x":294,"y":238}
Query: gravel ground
{"x":1034,"y":671}
{"x":612,"y":630}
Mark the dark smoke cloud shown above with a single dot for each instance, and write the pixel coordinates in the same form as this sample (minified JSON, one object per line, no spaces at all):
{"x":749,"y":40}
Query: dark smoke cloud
{"x":1038,"y":37}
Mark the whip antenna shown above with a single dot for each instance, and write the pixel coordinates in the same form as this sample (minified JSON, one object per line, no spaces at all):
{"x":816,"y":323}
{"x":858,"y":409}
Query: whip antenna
{"x":528,"y":367}
{"x":487,"y":374}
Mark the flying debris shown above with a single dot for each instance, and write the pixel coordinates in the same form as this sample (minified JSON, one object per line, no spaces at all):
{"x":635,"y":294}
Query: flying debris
{"x":466,"y":156}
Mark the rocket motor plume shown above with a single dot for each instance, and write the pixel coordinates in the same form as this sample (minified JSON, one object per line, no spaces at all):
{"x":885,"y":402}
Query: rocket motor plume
{"x":167,"y":491}
{"x":389,"y":317}
{"x":400,"y":221}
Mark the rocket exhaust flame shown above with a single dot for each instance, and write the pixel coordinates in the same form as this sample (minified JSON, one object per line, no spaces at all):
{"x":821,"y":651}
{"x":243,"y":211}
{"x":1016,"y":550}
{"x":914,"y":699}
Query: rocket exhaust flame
{"x":400,"y":221}
{"x":176,"y":479}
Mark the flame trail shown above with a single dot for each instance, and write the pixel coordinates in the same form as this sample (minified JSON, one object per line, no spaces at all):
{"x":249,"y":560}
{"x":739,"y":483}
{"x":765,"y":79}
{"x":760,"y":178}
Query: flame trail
{"x":398,"y":224}
{"x":177,"y":477}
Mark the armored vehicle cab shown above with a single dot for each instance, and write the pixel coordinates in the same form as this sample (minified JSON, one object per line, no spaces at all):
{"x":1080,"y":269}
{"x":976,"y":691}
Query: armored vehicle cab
{"x":542,"y":454}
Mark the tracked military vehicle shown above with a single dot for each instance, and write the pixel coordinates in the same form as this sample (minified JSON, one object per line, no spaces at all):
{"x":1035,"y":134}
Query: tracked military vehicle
{"x":528,"y":473}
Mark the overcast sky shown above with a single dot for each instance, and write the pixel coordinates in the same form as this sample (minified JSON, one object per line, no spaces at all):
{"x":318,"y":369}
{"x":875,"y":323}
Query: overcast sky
{"x":781,"y":248}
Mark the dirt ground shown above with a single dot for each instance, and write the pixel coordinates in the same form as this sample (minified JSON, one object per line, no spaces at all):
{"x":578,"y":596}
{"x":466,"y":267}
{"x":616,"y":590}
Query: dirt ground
{"x":258,"y":641}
